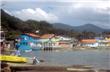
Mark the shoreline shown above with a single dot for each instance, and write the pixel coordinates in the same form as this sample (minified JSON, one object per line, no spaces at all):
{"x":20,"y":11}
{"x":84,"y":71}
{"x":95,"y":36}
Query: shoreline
{"x":45,"y":67}
{"x":79,"y":49}
{"x":62,"y":68}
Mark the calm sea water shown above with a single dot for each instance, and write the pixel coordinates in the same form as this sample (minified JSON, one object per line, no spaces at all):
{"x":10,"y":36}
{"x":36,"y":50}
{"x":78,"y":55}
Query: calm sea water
{"x":95,"y":58}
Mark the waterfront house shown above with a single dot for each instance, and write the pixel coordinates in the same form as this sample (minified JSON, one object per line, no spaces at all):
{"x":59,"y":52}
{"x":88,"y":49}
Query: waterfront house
{"x":100,"y":40}
{"x":67,"y":42}
{"x":88,"y":43}
{"x":107,"y":39}
{"x":103,"y":41}
{"x":27,"y":41}
{"x":54,"y":41}
{"x":49,"y":41}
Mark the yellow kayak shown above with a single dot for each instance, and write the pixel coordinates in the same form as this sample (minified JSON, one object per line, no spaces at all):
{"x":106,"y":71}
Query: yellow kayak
{"x":11,"y":58}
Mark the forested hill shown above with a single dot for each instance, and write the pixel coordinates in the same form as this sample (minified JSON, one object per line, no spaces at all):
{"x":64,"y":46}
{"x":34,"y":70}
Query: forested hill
{"x":81,"y":28}
{"x":14,"y":26}
{"x":10,"y":23}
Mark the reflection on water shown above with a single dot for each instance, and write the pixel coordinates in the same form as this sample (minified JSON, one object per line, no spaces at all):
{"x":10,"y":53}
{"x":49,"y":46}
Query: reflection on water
{"x":95,"y":58}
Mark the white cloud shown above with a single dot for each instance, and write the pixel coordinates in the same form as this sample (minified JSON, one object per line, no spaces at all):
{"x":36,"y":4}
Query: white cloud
{"x":8,"y":12}
{"x":66,"y":11}
{"x":96,"y":12}
{"x":35,"y":14}
{"x":97,"y":5}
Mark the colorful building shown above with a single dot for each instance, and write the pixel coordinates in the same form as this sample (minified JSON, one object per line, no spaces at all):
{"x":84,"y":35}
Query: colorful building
{"x":88,"y":42}
{"x":107,"y":39}
{"x":30,"y":41}
{"x":27,"y":41}
{"x":50,"y":41}
{"x":103,"y":41}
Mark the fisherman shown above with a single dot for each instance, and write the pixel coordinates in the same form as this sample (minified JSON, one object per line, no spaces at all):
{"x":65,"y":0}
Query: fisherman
{"x":35,"y":60}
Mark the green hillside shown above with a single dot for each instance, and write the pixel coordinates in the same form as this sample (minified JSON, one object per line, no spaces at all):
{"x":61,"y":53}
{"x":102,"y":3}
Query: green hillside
{"x":14,"y":26}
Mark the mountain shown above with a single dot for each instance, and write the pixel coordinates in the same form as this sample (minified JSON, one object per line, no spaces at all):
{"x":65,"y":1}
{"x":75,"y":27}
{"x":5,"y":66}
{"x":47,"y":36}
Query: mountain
{"x":14,"y":26}
{"x":62,"y":26}
{"x":8,"y":22}
{"x":11,"y":23}
{"x":86,"y":27}
{"x":89,"y":27}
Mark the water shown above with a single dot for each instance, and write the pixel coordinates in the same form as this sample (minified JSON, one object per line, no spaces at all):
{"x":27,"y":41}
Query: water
{"x":96,"y":58}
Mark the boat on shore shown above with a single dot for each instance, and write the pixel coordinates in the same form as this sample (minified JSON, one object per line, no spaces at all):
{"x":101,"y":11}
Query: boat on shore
{"x":10,"y":58}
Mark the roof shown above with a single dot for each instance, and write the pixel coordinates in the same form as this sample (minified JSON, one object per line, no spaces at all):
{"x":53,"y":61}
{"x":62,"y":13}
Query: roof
{"x":88,"y":41}
{"x":47,"y":36}
{"x":33,"y":35}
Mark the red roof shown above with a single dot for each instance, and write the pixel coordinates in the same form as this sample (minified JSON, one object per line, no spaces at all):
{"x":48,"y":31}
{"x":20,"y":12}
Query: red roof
{"x":47,"y":36}
{"x":88,"y":41}
{"x":33,"y":35}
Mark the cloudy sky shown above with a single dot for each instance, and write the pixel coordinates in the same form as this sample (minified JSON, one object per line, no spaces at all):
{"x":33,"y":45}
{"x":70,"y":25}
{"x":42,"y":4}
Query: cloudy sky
{"x":71,"y":12}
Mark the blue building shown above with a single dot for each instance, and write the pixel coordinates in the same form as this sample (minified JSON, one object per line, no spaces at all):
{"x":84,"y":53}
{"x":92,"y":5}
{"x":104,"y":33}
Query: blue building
{"x":28,"y":41}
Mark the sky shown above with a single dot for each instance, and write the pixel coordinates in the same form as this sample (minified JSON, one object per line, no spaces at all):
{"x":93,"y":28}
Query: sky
{"x":71,"y":12}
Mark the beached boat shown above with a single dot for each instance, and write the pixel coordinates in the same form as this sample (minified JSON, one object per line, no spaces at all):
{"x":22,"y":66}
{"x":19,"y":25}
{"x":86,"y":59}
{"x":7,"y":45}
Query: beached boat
{"x":11,"y":58}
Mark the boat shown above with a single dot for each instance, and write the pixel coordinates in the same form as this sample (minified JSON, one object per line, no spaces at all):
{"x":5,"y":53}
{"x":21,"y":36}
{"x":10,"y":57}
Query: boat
{"x":10,"y":58}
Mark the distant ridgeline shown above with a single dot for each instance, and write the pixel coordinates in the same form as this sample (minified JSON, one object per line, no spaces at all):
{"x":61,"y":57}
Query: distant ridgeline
{"x":14,"y":26}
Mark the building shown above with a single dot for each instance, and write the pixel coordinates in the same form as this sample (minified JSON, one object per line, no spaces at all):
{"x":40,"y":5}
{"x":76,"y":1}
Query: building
{"x":103,"y":41}
{"x":67,"y":42}
{"x":88,"y":43}
{"x":107,"y":39}
{"x":28,"y":41}
{"x":53,"y":41}
{"x":49,"y":41}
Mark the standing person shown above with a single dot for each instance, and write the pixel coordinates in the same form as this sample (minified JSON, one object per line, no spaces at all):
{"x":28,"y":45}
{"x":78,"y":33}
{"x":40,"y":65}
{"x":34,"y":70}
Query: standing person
{"x":17,"y":52}
{"x":8,"y":46}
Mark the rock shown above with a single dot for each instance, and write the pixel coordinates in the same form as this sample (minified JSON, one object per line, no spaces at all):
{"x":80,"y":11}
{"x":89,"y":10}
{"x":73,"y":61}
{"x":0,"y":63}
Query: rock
{"x":5,"y":67}
{"x":42,"y":61}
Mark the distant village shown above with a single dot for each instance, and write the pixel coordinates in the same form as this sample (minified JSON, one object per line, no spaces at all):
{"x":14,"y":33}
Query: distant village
{"x":27,"y":41}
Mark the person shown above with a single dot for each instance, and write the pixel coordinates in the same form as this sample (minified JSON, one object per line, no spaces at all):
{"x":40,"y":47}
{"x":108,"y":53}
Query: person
{"x":35,"y":60}
{"x":16,"y":52}
{"x":8,"y":45}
